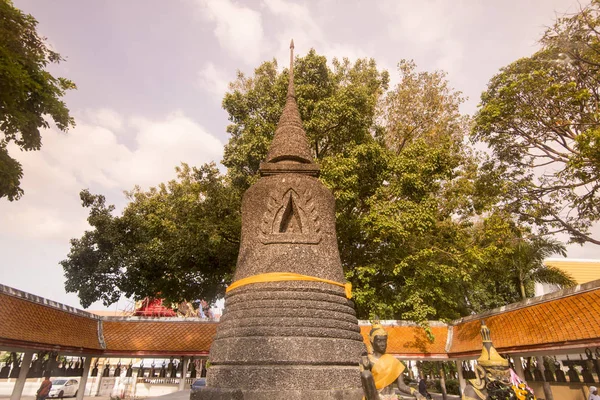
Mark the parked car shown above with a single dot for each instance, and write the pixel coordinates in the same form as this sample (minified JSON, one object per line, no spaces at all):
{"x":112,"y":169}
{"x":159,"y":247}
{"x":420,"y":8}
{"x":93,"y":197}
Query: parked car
{"x":64,"y":387}
{"x":198,"y":384}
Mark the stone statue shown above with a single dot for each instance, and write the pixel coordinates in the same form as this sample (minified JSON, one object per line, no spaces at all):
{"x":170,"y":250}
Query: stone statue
{"x":493,"y":375}
{"x":381,"y":371}
{"x":186,"y":309}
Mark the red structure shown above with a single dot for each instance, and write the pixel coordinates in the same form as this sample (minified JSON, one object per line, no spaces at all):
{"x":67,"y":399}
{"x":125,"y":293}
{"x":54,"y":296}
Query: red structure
{"x":152,"y":307}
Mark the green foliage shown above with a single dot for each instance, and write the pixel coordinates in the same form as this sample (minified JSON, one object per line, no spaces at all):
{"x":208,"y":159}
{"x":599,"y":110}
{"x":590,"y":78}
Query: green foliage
{"x":417,"y":233}
{"x":404,"y":204}
{"x":539,"y":116}
{"x":178,"y":240}
{"x":394,"y":202}
{"x":452,"y":387}
{"x":337,"y":106}
{"x":511,"y":262}
{"x":28,"y":93}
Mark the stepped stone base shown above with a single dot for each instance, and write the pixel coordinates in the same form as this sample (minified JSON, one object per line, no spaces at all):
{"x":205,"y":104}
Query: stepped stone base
{"x":239,"y":394}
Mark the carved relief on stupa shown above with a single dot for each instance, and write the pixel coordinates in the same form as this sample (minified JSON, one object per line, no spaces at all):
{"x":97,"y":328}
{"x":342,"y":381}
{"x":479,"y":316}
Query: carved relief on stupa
{"x":291,"y":217}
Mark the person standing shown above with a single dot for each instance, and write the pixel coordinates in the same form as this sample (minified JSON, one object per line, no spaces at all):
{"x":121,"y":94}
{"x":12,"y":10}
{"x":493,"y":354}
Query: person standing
{"x":423,"y":388}
{"x":44,"y":389}
{"x":593,"y":393}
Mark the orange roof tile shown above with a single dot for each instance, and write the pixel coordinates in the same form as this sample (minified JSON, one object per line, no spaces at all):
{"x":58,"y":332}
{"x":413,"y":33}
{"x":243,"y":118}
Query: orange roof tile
{"x":411,"y":340}
{"x":27,"y":321}
{"x":557,"y":322}
{"x":172,"y":335}
{"x":561,"y":320}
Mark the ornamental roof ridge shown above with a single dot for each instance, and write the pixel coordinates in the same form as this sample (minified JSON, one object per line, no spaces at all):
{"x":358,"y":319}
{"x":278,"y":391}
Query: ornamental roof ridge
{"x":10,"y":291}
{"x":532,"y":301}
{"x":158,"y":319}
{"x":401,"y":322}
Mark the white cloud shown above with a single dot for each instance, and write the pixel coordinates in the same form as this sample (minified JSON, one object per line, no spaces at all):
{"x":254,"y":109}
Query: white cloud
{"x":296,"y":14}
{"x":214,"y":81}
{"x":162,"y":145}
{"x":298,"y":23}
{"x":238,"y":29}
{"x":90,"y":156}
{"x":105,"y":118}
{"x":430,"y":29}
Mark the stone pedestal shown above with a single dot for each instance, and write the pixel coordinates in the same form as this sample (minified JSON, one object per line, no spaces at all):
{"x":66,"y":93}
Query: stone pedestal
{"x":302,"y":394}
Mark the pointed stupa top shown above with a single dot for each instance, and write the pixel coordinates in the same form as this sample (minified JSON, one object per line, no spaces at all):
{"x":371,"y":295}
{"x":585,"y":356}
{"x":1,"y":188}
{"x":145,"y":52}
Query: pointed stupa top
{"x":290,"y":143}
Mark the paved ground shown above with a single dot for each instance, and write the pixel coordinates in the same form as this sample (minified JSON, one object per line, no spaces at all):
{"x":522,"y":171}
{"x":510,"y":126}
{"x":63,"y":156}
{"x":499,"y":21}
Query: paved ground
{"x":437,"y":396}
{"x":182,"y":395}
{"x":66,"y":398}
{"x":185,"y":395}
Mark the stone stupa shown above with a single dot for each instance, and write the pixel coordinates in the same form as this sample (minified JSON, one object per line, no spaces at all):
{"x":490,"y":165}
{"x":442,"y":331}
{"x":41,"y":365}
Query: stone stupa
{"x":288,"y":330}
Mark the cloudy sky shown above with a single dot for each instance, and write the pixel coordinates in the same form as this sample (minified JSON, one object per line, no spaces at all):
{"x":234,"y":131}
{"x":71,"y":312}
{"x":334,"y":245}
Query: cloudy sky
{"x":151,"y":75}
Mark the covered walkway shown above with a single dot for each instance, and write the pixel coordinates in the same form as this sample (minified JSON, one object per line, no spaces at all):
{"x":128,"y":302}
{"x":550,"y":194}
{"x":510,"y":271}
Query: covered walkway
{"x":558,"y":324}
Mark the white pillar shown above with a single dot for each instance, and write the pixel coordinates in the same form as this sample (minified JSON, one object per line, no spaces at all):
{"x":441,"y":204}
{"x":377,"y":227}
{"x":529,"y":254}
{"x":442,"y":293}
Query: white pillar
{"x":84,"y":377}
{"x":519,"y":367}
{"x":461,"y":379}
{"x":20,"y":383}
{"x":96,"y":384}
{"x":184,"y":372}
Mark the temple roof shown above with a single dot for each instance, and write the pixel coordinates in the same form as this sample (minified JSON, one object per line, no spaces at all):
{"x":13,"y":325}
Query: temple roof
{"x":558,"y":322}
{"x":550,"y":322}
{"x":27,"y":320}
{"x":169,"y":336}
{"x":290,"y":143}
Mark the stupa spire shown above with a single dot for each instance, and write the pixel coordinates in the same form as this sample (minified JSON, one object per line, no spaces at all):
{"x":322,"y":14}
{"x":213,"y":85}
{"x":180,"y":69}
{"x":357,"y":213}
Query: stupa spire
{"x":291,"y":91}
{"x":290,"y":144}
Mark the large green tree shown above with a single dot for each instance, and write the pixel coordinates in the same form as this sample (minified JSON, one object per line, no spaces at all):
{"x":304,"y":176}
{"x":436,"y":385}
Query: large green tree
{"x":539,"y":117}
{"x":394,"y":158}
{"x":178,"y":240}
{"x":510,"y":262}
{"x":28,"y":93}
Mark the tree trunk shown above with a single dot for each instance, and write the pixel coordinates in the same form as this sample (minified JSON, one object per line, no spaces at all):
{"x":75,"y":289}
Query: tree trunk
{"x":522,"y":285}
{"x":546,"y":385}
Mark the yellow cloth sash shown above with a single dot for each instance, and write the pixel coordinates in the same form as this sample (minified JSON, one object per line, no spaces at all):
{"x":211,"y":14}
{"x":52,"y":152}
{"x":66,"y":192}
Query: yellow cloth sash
{"x":286,"y":276}
{"x":386,"y":370}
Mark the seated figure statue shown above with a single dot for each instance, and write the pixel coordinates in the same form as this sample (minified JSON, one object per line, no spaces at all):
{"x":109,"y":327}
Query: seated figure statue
{"x":493,"y":376}
{"x":382,"y":372}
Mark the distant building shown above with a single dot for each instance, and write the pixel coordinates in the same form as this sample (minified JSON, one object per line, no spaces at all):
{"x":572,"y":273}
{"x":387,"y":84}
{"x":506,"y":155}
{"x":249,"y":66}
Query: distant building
{"x":581,"y":270}
{"x":111,"y":313}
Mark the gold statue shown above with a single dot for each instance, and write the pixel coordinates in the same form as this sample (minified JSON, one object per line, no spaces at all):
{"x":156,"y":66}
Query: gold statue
{"x":380,"y":370}
{"x":492,"y":375}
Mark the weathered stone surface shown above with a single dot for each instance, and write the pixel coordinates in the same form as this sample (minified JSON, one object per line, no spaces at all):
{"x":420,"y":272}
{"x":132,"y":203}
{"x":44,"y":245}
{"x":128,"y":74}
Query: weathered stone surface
{"x":304,"y":394}
{"x":294,"y":339}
